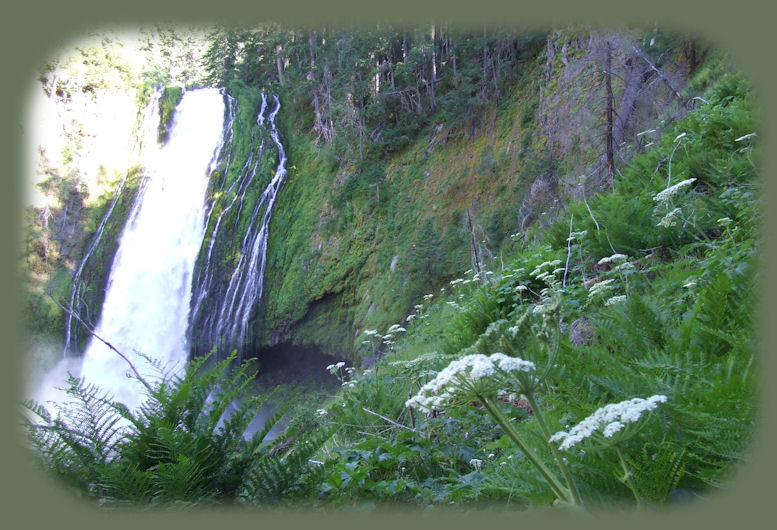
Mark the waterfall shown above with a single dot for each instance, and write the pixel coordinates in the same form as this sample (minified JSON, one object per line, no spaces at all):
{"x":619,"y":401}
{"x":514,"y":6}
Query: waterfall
{"x":226,"y":302}
{"x":147,"y":130}
{"x":244,"y":292}
{"x":147,"y":300}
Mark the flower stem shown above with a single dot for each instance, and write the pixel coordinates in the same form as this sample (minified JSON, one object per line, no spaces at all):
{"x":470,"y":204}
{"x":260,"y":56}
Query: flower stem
{"x":560,"y":491}
{"x":628,"y":477}
{"x":559,"y":460}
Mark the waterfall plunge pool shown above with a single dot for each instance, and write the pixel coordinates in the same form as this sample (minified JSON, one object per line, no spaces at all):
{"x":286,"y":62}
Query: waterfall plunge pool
{"x":296,"y":373}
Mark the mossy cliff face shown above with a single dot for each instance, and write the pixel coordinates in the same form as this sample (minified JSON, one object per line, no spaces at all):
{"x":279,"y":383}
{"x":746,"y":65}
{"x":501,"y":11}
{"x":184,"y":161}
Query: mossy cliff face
{"x":358,"y":236}
{"x":169,"y":101}
{"x":354,"y":244}
{"x":247,"y":162}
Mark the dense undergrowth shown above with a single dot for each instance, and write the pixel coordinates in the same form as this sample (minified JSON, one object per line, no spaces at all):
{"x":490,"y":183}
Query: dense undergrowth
{"x":645,"y":290}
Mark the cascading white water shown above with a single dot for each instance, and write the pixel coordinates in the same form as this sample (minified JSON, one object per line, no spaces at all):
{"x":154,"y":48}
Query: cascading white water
{"x":226,"y":300}
{"x":147,"y":299}
{"x":147,"y":131}
{"x":246,"y":284}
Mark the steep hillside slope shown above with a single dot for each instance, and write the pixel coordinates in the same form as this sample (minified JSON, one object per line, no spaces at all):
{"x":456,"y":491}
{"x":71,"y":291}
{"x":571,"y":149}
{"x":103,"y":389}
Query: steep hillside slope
{"x":356,"y":243}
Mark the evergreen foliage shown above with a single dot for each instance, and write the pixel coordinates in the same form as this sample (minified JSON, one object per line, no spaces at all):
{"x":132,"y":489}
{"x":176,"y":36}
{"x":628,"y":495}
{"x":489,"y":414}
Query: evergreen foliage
{"x":184,"y":444}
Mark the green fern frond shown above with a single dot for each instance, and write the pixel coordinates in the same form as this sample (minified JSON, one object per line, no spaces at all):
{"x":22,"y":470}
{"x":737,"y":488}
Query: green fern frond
{"x":125,"y":484}
{"x":634,"y":328}
{"x":284,"y":472}
{"x":657,"y":470}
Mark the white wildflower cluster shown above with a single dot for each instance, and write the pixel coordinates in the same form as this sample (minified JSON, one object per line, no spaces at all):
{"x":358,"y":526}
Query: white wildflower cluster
{"x":547,"y":276}
{"x":539,"y":269}
{"x":577,"y":235}
{"x":418,"y":313}
{"x":421,"y":359}
{"x":610,"y":419}
{"x":462,"y":281}
{"x":332,"y":368}
{"x":375,"y":339}
{"x":372,"y":336}
{"x":395,"y":328}
{"x":322,"y":412}
{"x":460,"y":373}
{"x":347,"y":379}
{"x":664,"y":195}
{"x":335,"y":370}
{"x":428,"y":296}
{"x":615,"y":300}
{"x":615,"y":258}
{"x":476,"y":463}
{"x":541,"y":309}
{"x":623,"y":267}
{"x":600,"y":287}
{"x":671,"y":218}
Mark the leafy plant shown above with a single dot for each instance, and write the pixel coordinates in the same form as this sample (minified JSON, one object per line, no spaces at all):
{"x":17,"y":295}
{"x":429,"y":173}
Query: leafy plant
{"x":185,"y":443}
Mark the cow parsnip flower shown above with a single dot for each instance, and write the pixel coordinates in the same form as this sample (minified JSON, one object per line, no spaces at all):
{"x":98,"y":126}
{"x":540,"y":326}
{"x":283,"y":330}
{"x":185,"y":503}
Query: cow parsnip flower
{"x":666,"y":194}
{"x":608,"y":420}
{"x":471,"y":376}
{"x":671,"y":218}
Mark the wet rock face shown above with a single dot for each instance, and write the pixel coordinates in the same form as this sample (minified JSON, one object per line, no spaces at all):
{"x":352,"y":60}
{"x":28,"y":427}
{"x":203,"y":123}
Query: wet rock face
{"x":582,"y":332}
{"x":287,"y":363}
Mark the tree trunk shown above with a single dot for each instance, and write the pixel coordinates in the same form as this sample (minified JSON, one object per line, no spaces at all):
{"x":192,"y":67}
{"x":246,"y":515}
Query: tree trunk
{"x":434,"y":56}
{"x":311,"y":75}
{"x":636,"y":77}
{"x":279,"y":62}
{"x":476,"y":263}
{"x":609,"y":114}
{"x":485,"y":55}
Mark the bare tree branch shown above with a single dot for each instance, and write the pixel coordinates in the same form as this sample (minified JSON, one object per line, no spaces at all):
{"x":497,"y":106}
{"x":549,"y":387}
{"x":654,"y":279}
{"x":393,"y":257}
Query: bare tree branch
{"x":95,"y":335}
